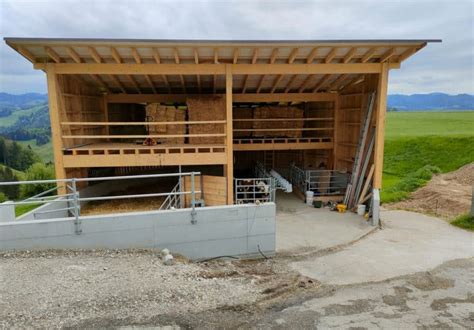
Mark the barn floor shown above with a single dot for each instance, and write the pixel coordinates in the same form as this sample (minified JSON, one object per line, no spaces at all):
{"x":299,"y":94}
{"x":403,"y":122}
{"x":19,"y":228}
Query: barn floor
{"x":301,"y":228}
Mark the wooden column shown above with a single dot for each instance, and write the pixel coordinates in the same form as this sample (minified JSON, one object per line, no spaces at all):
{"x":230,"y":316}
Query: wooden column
{"x":53,"y":99}
{"x":229,"y":168}
{"x":336,"y":131}
{"x":105,"y":106}
{"x":380,"y":124}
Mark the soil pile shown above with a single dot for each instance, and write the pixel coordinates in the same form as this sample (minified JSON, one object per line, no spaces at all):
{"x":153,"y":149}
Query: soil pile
{"x":446,"y":195}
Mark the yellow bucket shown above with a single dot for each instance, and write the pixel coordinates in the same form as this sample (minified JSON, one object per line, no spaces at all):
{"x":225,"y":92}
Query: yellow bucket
{"x":341,"y":208}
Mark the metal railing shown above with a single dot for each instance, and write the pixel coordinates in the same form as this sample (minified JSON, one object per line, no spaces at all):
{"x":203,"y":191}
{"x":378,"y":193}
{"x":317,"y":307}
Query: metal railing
{"x":321,"y":182}
{"x":254,"y":190}
{"x":73,"y":198}
{"x":173,"y":200}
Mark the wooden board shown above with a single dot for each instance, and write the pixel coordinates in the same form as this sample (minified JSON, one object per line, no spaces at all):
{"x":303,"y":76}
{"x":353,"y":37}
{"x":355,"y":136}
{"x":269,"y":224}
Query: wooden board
{"x":214,"y":189}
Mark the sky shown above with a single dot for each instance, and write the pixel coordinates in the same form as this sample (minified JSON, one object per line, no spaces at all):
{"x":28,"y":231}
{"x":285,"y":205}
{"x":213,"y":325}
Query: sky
{"x":443,"y":67}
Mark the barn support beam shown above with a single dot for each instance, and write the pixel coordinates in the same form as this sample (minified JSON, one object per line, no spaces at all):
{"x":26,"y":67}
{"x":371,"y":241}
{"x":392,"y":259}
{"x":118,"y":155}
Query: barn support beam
{"x":380,"y":124}
{"x":53,"y":100}
{"x":229,"y":168}
{"x":214,"y":69}
{"x":236,"y":98}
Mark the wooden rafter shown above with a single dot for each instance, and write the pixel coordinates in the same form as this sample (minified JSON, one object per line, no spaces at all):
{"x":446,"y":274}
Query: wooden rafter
{"x":293,"y":55}
{"x":52,"y":54}
{"x":99,"y":80}
{"x":260,"y":84}
{"x":95,"y":55}
{"x":235,"y":56}
{"x":305,"y":83}
{"x":368,"y":55}
{"x":330,"y":56}
{"x":214,"y":77}
{"x":118,"y":83}
{"x":115,"y":55}
{"x":196,"y":61}
{"x":350,"y":54}
{"x":26,"y":53}
{"x":255,"y":56}
{"x":321,"y":82}
{"x":253,"y":61}
{"x":150,"y":82}
{"x":134,"y":83}
{"x":74,"y":55}
{"x":357,"y":79}
{"x":336,"y":82}
{"x":177,"y":61}
{"x":387,"y":55}
{"x":157,"y":57}
{"x":136,"y":56}
{"x":406,"y":54}
{"x":290,"y":83}
{"x":274,"y":55}
{"x":312,"y":55}
{"x":276,"y":82}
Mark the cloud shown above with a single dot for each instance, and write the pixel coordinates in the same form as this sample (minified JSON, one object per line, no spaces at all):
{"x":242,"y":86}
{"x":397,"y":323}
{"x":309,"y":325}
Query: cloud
{"x":446,"y":67}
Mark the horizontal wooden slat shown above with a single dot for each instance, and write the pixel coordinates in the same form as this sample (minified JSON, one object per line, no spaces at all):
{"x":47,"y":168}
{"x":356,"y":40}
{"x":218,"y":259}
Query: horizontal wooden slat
{"x":137,"y":136}
{"x":146,"y":123}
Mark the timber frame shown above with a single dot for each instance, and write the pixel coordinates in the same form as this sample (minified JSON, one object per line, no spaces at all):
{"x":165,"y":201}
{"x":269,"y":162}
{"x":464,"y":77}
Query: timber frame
{"x":88,"y":76}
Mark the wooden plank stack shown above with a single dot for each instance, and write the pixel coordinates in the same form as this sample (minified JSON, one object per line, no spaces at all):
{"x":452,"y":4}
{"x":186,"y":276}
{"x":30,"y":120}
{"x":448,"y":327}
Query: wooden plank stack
{"x":206,"y":108}
{"x":157,"y":112}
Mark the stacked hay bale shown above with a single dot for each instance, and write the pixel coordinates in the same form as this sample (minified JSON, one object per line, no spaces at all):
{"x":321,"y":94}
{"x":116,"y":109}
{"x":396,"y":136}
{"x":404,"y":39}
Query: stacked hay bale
{"x":206,"y":108}
{"x":278,"y":112}
{"x":157,"y":112}
{"x":243,"y":113}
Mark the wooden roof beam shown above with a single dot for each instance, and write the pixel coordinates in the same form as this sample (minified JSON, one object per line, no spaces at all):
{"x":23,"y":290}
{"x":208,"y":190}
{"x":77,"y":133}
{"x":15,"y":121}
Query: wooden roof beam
{"x":260,"y":84}
{"x":196,"y":61}
{"x":26,"y":53}
{"x":255,"y":56}
{"x":320,"y":83}
{"x":136,"y":55}
{"x":100,"y":82}
{"x":116,"y":55}
{"x":276,"y":82}
{"x":118,"y":83}
{"x":235,"y":56}
{"x":368,"y":55}
{"x":336,"y":82}
{"x":178,"y":61}
{"x":134,"y":83}
{"x":290,"y":83}
{"x":52,"y":54}
{"x":312,"y":55}
{"x":330,"y":56}
{"x":274,"y":55}
{"x":75,"y":56}
{"x":293,"y":55}
{"x":95,"y":55}
{"x":305,"y":83}
{"x":357,"y":79}
{"x":156,"y":55}
{"x":407,"y":53}
{"x":350,"y":54}
{"x":150,"y":82}
{"x":387,"y":55}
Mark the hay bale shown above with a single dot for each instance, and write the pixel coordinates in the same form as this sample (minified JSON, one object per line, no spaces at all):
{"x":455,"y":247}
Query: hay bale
{"x":206,"y":108}
{"x":243,"y":113}
{"x":156,"y":112}
{"x":280,"y":113}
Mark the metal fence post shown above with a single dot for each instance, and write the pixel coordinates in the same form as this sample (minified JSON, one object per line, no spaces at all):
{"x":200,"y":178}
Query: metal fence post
{"x":193,"y":200}
{"x":76,"y":207}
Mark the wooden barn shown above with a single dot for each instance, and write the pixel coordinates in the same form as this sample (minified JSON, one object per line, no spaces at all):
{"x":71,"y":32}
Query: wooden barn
{"x":313,"y":111}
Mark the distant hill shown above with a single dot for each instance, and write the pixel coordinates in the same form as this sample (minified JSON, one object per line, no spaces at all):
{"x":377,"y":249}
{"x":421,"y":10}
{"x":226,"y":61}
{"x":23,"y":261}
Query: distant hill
{"x":11,"y":102}
{"x":433,"y":101}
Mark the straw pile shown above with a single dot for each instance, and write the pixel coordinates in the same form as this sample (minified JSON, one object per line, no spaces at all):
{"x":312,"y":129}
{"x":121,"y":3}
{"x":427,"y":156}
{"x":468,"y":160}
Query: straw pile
{"x":280,"y":113}
{"x":243,"y":113}
{"x":206,"y":108}
{"x":156,"y":112}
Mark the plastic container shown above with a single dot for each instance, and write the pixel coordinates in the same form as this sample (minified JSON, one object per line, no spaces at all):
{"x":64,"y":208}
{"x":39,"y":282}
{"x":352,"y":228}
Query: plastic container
{"x":309,"y":197}
{"x":318,"y":204}
{"x":361,"y":209}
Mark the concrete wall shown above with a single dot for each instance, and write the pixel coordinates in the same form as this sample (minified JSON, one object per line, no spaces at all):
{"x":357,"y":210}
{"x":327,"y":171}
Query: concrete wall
{"x":46,"y":211}
{"x":220,"y":230}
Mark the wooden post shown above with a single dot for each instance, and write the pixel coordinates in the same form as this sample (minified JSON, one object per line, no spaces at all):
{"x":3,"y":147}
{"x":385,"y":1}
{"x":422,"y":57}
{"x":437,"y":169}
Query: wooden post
{"x":335,"y":132}
{"x":55,"y":126}
{"x":105,"y":106}
{"x":380,"y":124}
{"x":229,"y":169}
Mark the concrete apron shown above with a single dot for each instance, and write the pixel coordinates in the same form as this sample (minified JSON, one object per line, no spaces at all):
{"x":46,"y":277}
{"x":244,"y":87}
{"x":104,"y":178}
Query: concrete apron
{"x":408,"y":243}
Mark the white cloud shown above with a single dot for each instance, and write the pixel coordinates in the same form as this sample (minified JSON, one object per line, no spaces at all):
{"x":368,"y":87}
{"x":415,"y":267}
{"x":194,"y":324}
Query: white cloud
{"x":444,"y":67}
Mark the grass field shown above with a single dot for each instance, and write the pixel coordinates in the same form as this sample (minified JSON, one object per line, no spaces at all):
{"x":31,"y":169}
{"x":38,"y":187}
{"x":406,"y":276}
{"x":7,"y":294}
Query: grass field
{"x":418,"y":143}
{"x":11,"y":119}
{"x":45,"y":151}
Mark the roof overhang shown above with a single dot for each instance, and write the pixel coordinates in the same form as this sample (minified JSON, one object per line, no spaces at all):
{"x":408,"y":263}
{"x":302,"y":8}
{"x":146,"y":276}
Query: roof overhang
{"x":120,"y":65}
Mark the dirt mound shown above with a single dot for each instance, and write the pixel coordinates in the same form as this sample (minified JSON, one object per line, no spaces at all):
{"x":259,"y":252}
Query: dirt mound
{"x":446,"y":195}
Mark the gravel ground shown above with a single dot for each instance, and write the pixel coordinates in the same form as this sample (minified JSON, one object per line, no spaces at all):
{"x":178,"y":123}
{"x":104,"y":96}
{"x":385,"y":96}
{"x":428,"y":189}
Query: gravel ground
{"x":55,"y":290}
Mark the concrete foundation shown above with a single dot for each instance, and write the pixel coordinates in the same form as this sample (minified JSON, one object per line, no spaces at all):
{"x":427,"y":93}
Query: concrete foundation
{"x":240,"y":230}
